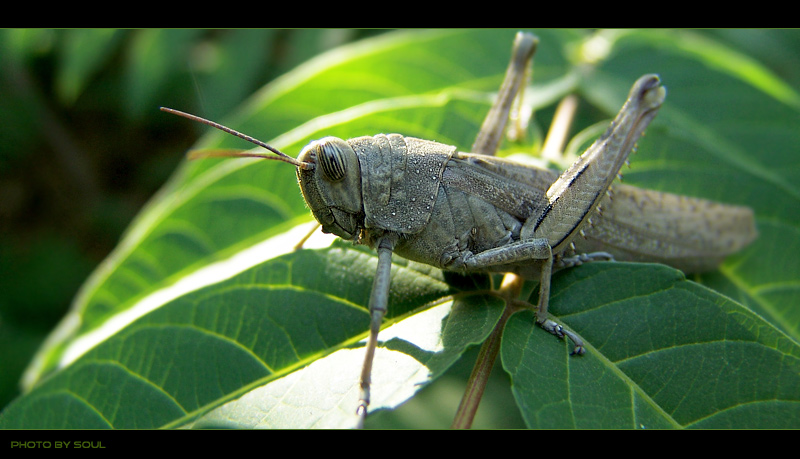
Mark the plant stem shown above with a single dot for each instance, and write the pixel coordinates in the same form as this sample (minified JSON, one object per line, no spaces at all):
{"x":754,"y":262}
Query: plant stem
{"x":476,"y":384}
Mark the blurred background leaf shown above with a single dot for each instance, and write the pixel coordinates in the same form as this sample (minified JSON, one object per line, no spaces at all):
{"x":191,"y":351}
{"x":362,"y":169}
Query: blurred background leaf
{"x":84,"y":147}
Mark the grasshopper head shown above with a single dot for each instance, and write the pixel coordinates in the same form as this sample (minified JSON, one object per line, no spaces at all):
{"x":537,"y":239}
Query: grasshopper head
{"x":332,"y":189}
{"x":328,"y":173}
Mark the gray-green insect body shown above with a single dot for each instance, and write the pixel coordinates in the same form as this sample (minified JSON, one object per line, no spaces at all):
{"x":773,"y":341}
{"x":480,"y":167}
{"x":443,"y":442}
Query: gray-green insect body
{"x":473,"y":212}
{"x":454,"y":210}
{"x":400,"y":177}
{"x":442,"y":204}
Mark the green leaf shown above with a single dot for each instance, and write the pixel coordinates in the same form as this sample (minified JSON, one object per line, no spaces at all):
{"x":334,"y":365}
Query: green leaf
{"x":154,"y":57}
{"x":83,"y":53}
{"x":666,"y":353}
{"x":204,"y":317}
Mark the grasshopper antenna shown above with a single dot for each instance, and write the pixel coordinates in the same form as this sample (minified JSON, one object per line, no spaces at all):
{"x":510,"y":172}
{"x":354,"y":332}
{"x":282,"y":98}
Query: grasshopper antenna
{"x":281,"y":156}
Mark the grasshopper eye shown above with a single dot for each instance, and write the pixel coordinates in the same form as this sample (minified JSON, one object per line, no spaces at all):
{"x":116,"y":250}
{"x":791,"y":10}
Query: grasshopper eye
{"x":332,"y":161}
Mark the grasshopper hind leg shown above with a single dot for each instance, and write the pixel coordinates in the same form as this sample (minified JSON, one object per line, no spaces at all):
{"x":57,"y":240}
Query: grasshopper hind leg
{"x":494,"y":125}
{"x":541,"y":310}
{"x":556,"y":329}
{"x":542,"y":318}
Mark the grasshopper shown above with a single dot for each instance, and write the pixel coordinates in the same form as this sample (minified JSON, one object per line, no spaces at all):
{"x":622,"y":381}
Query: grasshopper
{"x":474,"y":212}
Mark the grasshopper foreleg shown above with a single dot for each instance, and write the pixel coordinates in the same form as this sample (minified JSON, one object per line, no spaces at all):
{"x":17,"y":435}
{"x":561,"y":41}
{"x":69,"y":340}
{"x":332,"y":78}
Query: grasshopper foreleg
{"x":378,"y":304}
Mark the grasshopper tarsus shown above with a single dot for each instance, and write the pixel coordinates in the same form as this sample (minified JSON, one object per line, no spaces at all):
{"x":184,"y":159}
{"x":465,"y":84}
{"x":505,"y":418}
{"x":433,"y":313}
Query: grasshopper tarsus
{"x":361,"y":410}
{"x":578,"y":350}
{"x":553,"y":327}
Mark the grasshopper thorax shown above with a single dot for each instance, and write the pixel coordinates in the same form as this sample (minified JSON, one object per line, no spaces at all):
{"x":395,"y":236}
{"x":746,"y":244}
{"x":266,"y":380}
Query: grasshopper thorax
{"x":332,"y":189}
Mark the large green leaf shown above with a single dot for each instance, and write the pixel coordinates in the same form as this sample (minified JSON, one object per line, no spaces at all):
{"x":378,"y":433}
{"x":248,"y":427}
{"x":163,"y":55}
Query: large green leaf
{"x":203,"y":316}
{"x":667,"y":353}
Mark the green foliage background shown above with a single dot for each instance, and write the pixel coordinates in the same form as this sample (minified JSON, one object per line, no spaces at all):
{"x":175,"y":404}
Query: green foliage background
{"x":85,"y":147}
